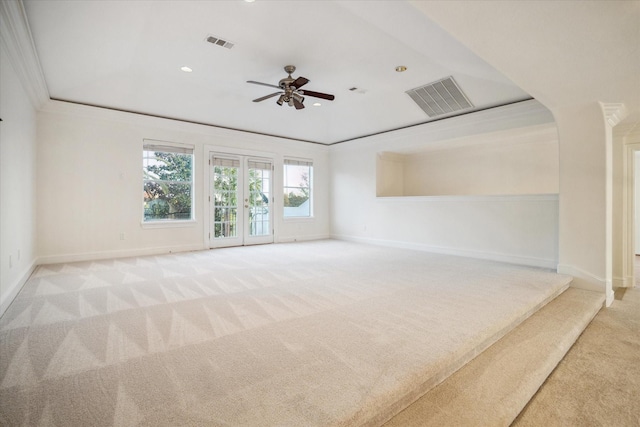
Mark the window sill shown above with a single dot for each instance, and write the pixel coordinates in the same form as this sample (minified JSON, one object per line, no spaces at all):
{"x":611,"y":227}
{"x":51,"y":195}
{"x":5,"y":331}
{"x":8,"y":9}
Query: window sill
{"x":168,"y":224}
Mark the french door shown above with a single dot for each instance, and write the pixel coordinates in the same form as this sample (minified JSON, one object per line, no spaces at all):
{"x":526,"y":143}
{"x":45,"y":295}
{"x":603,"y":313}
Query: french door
{"x":241,"y":200}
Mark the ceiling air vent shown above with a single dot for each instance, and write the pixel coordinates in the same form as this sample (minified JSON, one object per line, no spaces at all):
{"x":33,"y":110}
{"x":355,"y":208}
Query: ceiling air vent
{"x":441,"y":97}
{"x":219,"y":42}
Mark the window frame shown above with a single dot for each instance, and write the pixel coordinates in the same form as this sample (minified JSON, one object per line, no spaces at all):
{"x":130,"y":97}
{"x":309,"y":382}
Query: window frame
{"x":293,"y":161}
{"x":169,"y":147}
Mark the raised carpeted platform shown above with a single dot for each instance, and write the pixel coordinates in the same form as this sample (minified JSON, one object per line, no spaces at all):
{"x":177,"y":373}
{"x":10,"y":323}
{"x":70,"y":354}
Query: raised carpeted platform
{"x":316,"y":334}
{"x":493,"y":388}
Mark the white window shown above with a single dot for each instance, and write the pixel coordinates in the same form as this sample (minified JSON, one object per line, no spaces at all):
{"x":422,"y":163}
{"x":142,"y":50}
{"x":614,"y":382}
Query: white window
{"x":168,"y":182}
{"x":298,"y":176}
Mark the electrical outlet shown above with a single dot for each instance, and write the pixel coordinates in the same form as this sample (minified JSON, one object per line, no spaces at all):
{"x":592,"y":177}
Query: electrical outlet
{"x":18,"y":254}
{"x":122,"y":235}
{"x":10,"y":262}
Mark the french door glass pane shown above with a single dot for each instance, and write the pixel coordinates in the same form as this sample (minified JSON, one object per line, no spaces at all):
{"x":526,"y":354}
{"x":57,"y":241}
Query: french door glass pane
{"x":259,"y":196}
{"x":225,"y":193}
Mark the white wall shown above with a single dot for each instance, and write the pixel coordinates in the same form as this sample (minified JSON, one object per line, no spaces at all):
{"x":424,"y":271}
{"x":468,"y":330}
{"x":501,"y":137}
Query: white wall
{"x":390,"y":168}
{"x":636,"y":207}
{"x":584,"y":247}
{"x":626,"y":189}
{"x":521,"y":229}
{"x":509,"y":163}
{"x":571,"y":73}
{"x":622,"y":274}
{"x":90,"y":183}
{"x":17,"y":183}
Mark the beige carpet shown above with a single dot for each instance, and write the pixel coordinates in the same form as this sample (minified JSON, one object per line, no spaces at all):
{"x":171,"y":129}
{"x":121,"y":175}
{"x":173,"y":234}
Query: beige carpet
{"x":315,"y":334}
{"x":598,"y":382}
{"x":493,"y":388}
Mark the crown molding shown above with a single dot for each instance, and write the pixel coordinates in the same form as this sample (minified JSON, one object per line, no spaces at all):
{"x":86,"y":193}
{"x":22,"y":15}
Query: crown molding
{"x":513,"y":117}
{"x":614,"y":112}
{"x":15,"y":36}
{"x":154,"y":124}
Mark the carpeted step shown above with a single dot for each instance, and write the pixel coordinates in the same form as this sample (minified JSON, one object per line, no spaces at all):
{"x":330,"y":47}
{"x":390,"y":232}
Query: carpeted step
{"x":493,"y":388}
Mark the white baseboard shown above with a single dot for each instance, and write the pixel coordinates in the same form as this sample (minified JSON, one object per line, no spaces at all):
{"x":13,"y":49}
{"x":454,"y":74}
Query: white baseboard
{"x":16,"y":286}
{"x":491,"y":256}
{"x":609,"y":296}
{"x":584,"y":280}
{"x":303,"y":238}
{"x":91,"y":256}
{"x":623,"y":282}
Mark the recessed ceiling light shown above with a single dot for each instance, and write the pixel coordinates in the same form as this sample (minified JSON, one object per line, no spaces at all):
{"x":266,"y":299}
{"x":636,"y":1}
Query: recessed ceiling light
{"x":249,"y":1}
{"x":316,"y":104}
{"x":186,"y":69}
{"x":401,"y":68}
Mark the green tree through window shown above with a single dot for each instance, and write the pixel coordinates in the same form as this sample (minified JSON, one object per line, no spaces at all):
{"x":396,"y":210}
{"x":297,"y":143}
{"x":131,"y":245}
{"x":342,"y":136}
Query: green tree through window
{"x":168,"y":184}
{"x":300,"y":194}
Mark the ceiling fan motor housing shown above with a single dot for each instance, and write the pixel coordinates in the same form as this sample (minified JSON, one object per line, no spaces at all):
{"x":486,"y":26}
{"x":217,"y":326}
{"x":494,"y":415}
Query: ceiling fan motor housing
{"x":284,"y":83}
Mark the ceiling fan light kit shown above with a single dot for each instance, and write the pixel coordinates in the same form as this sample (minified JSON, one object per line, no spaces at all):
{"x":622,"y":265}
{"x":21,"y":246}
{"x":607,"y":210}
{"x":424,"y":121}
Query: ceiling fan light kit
{"x":290,"y":92}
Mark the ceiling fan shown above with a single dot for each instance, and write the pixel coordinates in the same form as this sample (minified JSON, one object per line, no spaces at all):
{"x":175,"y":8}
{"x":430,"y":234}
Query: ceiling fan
{"x":290,"y":91}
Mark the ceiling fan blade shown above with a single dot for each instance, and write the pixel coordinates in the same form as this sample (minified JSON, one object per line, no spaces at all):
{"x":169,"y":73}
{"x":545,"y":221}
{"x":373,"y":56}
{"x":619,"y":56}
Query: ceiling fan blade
{"x":263,"y":84}
{"x":299,"y":82}
{"x":299,"y":105}
{"x":267,"y":97}
{"x":318,"y":95}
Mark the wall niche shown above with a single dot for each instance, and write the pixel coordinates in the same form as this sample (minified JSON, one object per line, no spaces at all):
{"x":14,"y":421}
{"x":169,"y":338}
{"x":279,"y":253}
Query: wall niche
{"x":515,"y":162}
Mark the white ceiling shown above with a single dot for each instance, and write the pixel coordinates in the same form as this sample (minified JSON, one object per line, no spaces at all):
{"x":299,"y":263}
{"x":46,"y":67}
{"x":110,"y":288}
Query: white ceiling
{"x":127,"y":56}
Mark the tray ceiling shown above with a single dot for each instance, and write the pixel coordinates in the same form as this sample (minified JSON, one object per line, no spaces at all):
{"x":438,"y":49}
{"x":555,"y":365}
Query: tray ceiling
{"x":128,"y":56}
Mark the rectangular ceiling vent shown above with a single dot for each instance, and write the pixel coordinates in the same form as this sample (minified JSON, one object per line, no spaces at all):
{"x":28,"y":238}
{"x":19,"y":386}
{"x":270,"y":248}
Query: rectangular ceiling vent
{"x":441,"y":97}
{"x":219,"y":42}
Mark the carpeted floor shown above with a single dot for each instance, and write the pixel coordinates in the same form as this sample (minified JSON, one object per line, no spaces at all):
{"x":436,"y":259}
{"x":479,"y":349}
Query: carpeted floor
{"x":318,"y":333}
{"x":493,"y":388}
{"x":598,"y":381}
